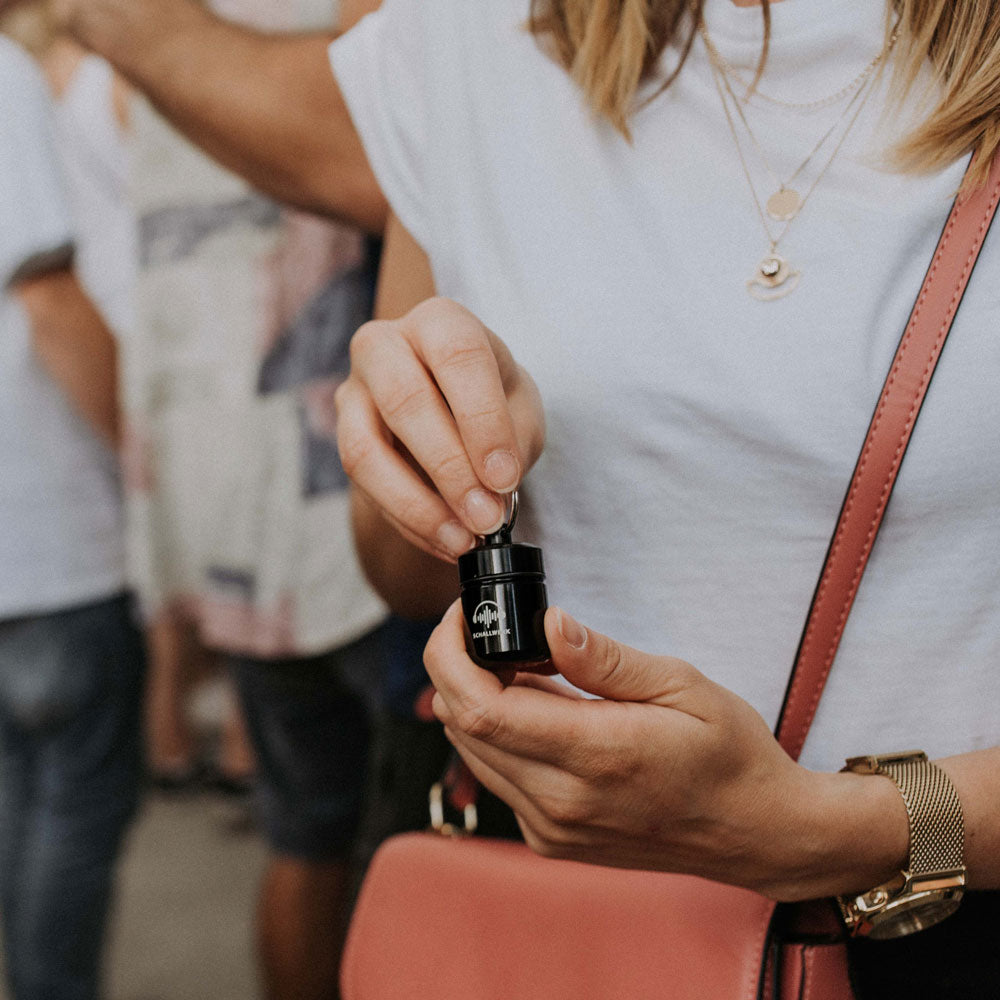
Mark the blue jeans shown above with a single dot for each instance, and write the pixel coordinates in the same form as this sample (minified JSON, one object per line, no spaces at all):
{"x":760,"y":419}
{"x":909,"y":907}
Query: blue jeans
{"x":71,"y":686}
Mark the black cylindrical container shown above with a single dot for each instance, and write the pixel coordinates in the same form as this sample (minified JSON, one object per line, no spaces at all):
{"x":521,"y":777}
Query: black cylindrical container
{"x":504,"y":601}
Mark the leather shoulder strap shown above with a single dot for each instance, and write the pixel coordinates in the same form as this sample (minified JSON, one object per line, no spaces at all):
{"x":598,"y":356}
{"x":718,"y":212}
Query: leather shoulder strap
{"x":882,"y":453}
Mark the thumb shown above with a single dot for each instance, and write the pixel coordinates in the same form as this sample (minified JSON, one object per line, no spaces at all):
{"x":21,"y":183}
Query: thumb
{"x":612,"y":670}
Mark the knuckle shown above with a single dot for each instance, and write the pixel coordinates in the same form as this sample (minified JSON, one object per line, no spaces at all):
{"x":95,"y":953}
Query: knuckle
{"x":460,"y":356}
{"x":404,"y":398}
{"x":365,"y":339}
{"x":478,"y":721}
{"x":610,"y":662}
{"x":546,"y":849}
{"x":545,"y":838}
{"x":539,"y":844}
{"x":555,"y":841}
{"x":606,"y":769}
{"x":449,"y":334}
{"x":354,"y":446}
{"x":566,"y":807}
{"x":563,"y":812}
{"x":436,"y":309}
{"x":448,"y":468}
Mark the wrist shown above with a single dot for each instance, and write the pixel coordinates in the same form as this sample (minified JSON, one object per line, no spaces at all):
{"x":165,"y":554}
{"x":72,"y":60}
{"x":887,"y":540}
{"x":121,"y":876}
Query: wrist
{"x":849,"y":832}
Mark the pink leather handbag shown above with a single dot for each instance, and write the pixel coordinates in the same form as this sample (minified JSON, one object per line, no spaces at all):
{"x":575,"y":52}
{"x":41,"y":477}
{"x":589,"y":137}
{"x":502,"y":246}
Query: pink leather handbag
{"x":475,"y":919}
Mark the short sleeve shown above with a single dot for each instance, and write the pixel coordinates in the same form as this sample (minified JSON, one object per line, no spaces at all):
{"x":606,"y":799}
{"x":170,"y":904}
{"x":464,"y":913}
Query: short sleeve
{"x":382,"y":67}
{"x":35,"y":220}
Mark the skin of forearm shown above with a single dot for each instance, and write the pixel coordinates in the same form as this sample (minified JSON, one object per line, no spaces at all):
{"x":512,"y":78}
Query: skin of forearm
{"x":853,"y":833}
{"x":844,"y":833}
{"x":976,"y":777}
{"x":413,"y":583}
{"x":75,"y":347}
{"x":265,"y":106}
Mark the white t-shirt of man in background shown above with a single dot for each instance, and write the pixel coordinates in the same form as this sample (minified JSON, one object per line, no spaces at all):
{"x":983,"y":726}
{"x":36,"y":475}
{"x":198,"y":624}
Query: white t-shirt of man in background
{"x":60,"y":514}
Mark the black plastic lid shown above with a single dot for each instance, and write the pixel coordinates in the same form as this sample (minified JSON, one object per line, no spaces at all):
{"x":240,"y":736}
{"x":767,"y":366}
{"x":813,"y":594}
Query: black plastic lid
{"x":512,"y":559}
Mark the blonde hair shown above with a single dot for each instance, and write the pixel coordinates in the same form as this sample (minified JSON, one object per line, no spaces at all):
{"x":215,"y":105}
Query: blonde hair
{"x":610,"y":47}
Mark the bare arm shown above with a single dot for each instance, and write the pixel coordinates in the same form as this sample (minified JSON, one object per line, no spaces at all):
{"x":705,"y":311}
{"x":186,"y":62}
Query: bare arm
{"x":265,"y":106}
{"x":73,"y":343}
{"x":411,"y":581}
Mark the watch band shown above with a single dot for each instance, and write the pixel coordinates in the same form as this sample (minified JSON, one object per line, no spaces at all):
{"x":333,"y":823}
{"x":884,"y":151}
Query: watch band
{"x":937,"y":826}
{"x":931,"y":885}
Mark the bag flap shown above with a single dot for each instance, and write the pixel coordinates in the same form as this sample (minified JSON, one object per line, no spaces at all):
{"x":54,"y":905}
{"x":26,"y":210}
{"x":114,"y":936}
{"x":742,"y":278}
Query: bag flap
{"x":544,"y":929}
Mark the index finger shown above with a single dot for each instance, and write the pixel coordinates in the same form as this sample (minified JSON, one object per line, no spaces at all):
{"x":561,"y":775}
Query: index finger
{"x":469,"y":365}
{"x":526,"y":721}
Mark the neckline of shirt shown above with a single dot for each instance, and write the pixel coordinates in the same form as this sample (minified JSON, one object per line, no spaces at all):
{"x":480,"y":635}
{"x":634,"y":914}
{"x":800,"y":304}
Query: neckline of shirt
{"x":815,"y":47}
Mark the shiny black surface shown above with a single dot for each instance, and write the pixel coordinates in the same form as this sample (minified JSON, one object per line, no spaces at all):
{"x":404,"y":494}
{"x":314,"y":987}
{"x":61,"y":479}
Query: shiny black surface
{"x":504,"y":602}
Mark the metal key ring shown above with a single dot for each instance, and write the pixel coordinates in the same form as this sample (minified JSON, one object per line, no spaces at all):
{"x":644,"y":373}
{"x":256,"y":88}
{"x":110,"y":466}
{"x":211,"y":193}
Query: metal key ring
{"x":510,"y":511}
{"x":502,"y":535}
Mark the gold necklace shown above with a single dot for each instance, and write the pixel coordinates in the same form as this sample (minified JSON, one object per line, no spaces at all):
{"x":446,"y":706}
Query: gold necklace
{"x":775,"y":276}
{"x":731,"y":73}
{"x":785,"y":203}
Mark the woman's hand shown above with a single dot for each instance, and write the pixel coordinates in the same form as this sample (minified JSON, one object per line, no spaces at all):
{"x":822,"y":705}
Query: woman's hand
{"x":668,"y":771}
{"x":435,"y":423}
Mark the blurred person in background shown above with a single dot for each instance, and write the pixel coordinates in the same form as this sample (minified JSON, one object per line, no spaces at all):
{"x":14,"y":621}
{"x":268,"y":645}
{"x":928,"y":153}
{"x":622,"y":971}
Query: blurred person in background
{"x":244,"y":312}
{"x":71,"y":657}
{"x":247,"y":435}
{"x":92,"y":113}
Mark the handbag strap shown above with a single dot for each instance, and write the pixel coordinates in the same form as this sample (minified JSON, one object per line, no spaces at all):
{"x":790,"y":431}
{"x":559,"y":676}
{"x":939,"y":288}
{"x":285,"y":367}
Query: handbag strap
{"x":882,"y":454}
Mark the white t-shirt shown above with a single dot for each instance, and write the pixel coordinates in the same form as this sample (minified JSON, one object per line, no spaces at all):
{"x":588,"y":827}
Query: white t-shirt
{"x":699,"y":441}
{"x":93,"y":152}
{"x":61,"y":536}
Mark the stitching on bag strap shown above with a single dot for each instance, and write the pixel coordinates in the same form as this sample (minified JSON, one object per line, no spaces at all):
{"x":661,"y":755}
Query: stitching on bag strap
{"x":805,"y":972}
{"x":793,"y":739}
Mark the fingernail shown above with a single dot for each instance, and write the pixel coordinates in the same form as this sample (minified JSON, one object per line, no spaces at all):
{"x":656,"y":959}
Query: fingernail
{"x":572,"y":631}
{"x":454,"y":538}
{"x":502,"y":470}
{"x":483,"y":511}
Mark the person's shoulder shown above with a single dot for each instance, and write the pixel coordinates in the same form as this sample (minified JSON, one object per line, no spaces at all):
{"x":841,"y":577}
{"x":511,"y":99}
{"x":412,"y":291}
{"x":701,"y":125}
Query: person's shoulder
{"x":447,"y":17}
{"x":492,"y":15}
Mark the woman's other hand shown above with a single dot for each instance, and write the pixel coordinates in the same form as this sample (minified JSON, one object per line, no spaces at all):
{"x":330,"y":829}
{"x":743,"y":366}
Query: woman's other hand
{"x":436,"y":423}
{"x":666,"y":771}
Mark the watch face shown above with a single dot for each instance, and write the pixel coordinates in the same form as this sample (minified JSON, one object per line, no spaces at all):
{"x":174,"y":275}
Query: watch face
{"x":907,"y":916}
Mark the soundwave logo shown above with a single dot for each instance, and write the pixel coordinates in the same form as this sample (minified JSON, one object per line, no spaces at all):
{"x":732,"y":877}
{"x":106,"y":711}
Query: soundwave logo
{"x":490,"y":620}
{"x":487,"y":614}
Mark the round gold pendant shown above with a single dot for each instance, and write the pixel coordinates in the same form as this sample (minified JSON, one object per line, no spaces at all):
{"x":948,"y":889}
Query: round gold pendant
{"x":774,"y":279}
{"x":784,"y":205}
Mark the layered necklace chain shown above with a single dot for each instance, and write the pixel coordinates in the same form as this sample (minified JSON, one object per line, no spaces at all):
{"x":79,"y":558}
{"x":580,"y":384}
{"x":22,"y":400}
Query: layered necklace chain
{"x":775,"y":276}
{"x":732,"y":73}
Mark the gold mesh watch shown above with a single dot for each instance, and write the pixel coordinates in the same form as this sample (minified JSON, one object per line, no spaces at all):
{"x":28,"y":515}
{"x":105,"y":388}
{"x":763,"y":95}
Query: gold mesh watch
{"x":930,"y":888}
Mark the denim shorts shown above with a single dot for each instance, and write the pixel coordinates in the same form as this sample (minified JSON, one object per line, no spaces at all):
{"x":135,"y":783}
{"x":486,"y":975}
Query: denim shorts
{"x":309,"y":724}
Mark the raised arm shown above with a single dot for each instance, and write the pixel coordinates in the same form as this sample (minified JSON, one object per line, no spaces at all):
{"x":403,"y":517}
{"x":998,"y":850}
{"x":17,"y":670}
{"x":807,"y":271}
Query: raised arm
{"x":266,"y":106}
